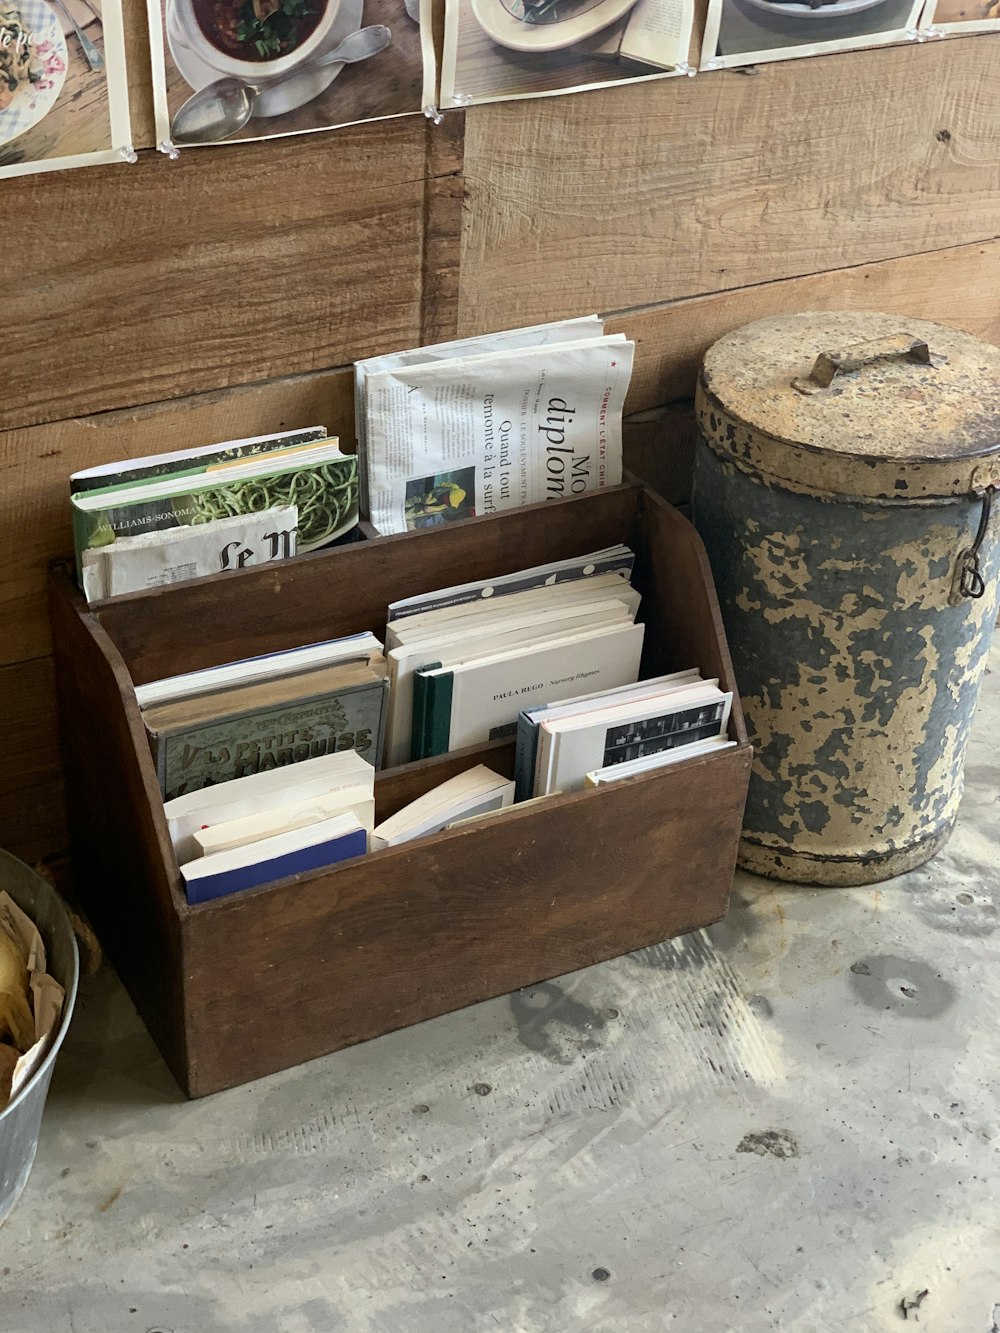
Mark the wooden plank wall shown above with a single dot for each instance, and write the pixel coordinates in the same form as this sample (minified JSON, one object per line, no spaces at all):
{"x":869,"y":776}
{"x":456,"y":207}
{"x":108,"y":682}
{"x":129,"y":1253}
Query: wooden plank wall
{"x":173,"y":303}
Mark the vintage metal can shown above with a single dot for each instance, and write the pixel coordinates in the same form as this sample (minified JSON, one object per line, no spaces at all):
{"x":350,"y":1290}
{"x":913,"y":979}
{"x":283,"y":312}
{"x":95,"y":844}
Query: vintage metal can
{"x":844,"y":486}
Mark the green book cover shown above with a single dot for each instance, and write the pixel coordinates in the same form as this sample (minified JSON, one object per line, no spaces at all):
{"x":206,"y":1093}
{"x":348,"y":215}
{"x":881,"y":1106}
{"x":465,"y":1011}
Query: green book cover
{"x":237,"y":744}
{"x":435,"y":736}
{"x":325,"y":493}
{"x":421,"y":698}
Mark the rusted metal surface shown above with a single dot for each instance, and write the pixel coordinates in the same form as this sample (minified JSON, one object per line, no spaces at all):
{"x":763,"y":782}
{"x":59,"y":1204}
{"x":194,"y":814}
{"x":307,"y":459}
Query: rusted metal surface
{"x":895,"y":429}
{"x":838,"y":524}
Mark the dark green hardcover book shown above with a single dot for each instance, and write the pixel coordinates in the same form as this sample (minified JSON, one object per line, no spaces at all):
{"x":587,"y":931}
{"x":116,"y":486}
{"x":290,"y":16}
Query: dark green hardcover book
{"x":421,"y":700}
{"x":437,"y":720}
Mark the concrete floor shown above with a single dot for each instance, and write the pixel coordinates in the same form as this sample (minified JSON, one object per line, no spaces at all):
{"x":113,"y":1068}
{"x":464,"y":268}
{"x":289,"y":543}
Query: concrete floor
{"x":789,"y":1121}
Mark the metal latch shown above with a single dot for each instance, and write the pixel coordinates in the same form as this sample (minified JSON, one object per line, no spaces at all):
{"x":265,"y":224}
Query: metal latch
{"x":968,"y":580}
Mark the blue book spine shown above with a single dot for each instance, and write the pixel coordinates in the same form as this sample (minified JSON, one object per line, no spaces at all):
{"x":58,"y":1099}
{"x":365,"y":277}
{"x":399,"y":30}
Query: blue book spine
{"x":317,"y":857}
{"x":524,"y":756}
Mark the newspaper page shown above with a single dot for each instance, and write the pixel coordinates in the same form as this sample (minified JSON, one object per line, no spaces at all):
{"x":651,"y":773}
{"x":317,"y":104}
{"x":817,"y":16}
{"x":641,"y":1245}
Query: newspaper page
{"x":477,"y":435}
{"x":751,"y":32}
{"x":500,"y":50}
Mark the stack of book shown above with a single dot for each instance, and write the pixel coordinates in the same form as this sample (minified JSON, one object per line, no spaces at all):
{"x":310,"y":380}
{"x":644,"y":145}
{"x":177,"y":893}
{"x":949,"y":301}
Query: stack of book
{"x":166,"y":518}
{"x":271,"y":824}
{"x":490,"y":423}
{"x":613,"y":734}
{"x":268,"y":712}
{"x":465,"y":660}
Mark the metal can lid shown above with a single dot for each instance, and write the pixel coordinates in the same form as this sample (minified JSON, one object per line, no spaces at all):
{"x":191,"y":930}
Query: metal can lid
{"x":855,"y":404}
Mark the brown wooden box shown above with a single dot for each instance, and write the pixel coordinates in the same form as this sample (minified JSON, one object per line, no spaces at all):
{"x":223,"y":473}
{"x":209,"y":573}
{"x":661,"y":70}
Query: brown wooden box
{"x":245,"y":985}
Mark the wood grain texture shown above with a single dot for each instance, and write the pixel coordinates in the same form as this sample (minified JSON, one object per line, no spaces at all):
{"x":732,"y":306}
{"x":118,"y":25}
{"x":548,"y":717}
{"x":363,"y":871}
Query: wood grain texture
{"x":959,"y":286}
{"x":36,"y":463}
{"x":650,"y":193}
{"x":32,"y":814}
{"x":230,"y":266}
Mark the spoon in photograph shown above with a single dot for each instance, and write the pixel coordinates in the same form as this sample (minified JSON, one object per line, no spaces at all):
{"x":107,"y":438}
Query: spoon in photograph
{"x":91,"y":54}
{"x":225,"y":106}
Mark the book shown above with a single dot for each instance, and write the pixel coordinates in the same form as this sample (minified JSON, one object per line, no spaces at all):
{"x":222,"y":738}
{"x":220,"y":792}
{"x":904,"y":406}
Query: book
{"x":222,"y":837}
{"x":319,"y":480}
{"x":477,"y":791}
{"x":153,"y":466}
{"x":153,"y":559}
{"x":658,"y":32}
{"x":477,"y":435}
{"x":646,"y":763}
{"x":478,"y":701}
{"x":570,"y":747}
{"x":483,"y":638}
{"x":530,"y":719}
{"x":261,"y":792}
{"x":271,"y":859}
{"x":228,"y":734}
{"x":264,"y":667}
{"x":612,"y":560}
{"x":469,"y":615}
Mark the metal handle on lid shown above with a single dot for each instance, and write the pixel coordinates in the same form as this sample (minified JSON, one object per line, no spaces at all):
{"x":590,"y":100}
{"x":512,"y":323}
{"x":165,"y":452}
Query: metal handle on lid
{"x":897,"y":346}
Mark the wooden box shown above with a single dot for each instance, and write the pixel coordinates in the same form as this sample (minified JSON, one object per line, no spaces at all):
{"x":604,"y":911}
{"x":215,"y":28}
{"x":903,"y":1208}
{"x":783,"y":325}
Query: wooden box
{"x":245,"y":985}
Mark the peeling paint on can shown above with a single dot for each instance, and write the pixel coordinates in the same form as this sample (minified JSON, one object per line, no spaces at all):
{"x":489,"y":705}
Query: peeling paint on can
{"x":857,"y":673}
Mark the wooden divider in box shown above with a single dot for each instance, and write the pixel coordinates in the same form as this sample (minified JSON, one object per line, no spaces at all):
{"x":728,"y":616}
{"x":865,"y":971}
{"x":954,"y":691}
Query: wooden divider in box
{"x":242,"y":986}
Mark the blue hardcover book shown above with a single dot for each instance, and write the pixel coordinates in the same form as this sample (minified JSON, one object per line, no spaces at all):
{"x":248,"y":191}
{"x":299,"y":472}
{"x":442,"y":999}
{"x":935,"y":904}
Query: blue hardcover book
{"x":270,"y":859}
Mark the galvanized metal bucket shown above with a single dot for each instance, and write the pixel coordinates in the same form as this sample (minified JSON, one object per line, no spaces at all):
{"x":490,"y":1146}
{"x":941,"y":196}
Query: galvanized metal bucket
{"x":844,"y":484}
{"x":21,"y":1120}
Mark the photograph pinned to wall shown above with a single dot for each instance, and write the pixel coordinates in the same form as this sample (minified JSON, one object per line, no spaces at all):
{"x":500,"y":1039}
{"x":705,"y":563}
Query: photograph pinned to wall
{"x":63,"y":86}
{"x":500,"y":50}
{"x":947,"y":18}
{"x":239,"y":70}
{"x":750,"y":32}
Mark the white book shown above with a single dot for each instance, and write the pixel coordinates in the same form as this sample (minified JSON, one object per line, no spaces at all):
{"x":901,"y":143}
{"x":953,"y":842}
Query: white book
{"x":610,"y":559}
{"x":648,"y":762}
{"x":173,"y":555}
{"x":474,"y":702}
{"x":430,"y":623}
{"x":356,"y":801}
{"x":473,"y":643}
{"x":266,"y":667}
{"x":261,"y":792}
{"x":475,"y":792}
{"x":571,"y":747}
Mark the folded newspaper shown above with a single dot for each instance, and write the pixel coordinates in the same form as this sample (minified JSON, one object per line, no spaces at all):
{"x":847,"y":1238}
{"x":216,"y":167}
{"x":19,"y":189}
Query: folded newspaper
{"x":503,"y":427}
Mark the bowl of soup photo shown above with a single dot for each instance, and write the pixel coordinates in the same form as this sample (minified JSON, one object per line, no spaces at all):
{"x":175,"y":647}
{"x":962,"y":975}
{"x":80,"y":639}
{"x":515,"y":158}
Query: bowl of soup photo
{"x":251,"y":37}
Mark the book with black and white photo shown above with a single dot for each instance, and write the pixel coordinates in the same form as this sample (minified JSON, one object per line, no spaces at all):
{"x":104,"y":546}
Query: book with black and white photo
{"x":480,"y":433}
{"x":569,"y":747}
{"x":530,"y":719}
{"x":645,"y":763}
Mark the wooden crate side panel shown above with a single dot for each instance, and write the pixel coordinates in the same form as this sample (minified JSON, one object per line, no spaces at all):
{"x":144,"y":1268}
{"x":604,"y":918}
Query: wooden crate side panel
{"x":391,"y":940}
{"x":642,"y":194}
{"x":121,"y":854}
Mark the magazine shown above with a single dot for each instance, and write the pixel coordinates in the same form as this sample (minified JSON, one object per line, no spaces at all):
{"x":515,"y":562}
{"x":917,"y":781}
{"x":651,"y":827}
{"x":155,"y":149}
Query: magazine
{"x":302,"y":66}
{"x":63,"y":86}
{"x":476,"y":435}
{"x":501,"y":49}
{"x":750,"y":32}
